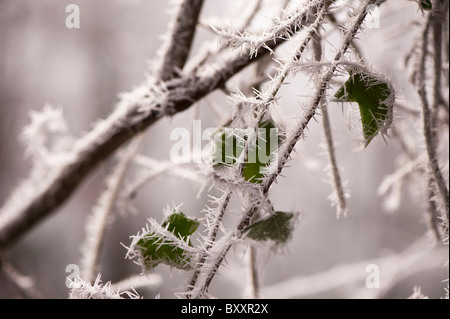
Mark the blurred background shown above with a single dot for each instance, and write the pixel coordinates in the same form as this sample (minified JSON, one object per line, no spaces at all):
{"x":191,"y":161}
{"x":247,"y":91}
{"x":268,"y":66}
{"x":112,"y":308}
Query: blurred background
{"x":83,"y":70}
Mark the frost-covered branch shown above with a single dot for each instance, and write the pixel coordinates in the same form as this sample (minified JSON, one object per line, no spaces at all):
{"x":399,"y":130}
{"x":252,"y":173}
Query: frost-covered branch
{"x":148,"y":281}
{"x":214,"y":218}
{"x":85,"y":290}
{"x":253,"y":273}
{"x":428,"y":129}
{"x":321,"y":87}
{"x":282,"y":28}
{"x":174,"y":53}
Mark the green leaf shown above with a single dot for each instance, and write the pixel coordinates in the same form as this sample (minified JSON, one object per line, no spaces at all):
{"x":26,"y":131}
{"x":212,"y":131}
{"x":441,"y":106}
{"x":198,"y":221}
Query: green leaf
{"x":259,"y":156}
{"x":181,"y":225}
{"x":375,"y":100}
{"x":426,"y":5}
{"x":277,"y":228}
{"x":157,"y":248}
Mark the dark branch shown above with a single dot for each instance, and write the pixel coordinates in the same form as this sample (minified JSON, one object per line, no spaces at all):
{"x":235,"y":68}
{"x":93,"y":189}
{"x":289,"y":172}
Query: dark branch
{"x":181,"y":33}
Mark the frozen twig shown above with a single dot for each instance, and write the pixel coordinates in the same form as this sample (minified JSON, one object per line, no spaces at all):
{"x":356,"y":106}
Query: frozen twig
{"x":181,"y":33}
{"x":174,"y":54}
{"x":282,"y":28}
{"x":428,"y":129}
{"x":396,"y":267}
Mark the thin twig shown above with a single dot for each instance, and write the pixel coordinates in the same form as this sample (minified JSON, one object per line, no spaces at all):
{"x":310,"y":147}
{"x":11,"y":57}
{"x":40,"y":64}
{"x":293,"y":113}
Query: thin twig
{"x":253,"y":273}
{"x":337,"y":183}
{"x":432,"y":212}
{"x":14,"y":284}
{"x":181,"y":33}
{"x":97,"y":223}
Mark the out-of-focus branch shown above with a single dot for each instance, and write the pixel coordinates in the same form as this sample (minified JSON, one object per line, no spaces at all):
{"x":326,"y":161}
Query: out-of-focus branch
{"x":415,"y":259}
{"x":253,"y":273}
{"x":437,"y":22}
{"x":339,"y":191}
{"x":15,"y":285}
{"x":181,"y":34}
{"x":428,"y":129}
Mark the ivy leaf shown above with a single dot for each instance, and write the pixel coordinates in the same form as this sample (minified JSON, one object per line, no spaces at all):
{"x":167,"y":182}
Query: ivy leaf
{"x":426,"y":5}
{"x":228,"y":148}
{"x":181,"y":225}
{"x":375,"y":98}
{"x":158,"y":247}
{"x":263,"y":151}
{"x":276,"y":228}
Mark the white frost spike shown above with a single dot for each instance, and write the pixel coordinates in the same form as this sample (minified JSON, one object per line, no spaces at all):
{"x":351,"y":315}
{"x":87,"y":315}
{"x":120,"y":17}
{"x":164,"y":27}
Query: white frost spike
{"x":282,"y":28}
{"x":83,"y":290}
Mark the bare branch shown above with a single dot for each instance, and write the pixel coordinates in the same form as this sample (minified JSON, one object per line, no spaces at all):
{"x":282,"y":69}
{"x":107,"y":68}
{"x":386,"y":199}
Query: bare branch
{"x":428,"y":129}
{"x":181,"y":34}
